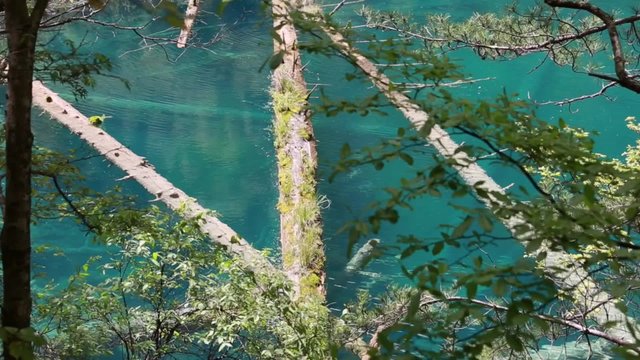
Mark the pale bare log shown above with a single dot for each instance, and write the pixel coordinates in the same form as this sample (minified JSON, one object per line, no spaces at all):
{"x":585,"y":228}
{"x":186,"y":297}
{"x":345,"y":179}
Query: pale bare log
{"x":363,"y":256}
{"x":143,"y":172}
{"x":189,"y":18}
{"x":565,"y":272}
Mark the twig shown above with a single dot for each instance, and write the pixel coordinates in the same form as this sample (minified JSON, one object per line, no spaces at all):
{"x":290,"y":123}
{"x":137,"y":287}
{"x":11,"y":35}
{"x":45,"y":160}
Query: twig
{"x":443,"y":84}
{"x":518,"y":50}
{"x":341,"y":4}
{"x":83,"y":218}
{"x":580,"y":98}
{"x":555,"y":320}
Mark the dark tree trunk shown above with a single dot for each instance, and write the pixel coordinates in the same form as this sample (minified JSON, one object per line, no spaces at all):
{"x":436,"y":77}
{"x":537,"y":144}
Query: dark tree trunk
{"x":15,"y":239}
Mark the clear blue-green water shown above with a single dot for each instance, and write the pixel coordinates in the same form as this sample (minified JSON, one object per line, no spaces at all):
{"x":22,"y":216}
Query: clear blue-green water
{"x":203,"y":120}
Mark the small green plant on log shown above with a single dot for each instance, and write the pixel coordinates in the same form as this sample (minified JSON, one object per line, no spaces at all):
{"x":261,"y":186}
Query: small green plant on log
{"x":290,"y":100}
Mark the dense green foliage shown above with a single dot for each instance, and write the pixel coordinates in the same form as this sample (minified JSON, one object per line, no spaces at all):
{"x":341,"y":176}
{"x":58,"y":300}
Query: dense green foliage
{"x":166,"y":290}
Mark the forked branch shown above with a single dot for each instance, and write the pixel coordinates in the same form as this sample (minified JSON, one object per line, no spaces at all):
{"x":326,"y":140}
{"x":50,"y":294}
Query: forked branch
{"x":623,"y":77}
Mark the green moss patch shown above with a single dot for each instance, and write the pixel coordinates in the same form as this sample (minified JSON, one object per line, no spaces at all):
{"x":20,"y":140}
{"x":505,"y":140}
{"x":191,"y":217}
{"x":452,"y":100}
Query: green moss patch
{"x":305,"y":249}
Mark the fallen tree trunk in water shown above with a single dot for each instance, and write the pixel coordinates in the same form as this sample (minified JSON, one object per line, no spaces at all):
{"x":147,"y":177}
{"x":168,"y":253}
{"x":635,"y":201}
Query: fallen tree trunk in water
{"x":363,"y":256}
{"x":144,"y":173}
{"x":572,"y":277}
{"x":189,"y":18}
{"x":303,"y":255}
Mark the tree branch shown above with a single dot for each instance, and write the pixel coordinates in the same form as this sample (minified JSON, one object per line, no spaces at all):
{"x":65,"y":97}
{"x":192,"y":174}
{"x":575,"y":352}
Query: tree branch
{"x":389,"y":319}
{"x":583,"y":97}
{"x":37,"y":13}
{"x":518,"y":50}
{"x":624,"y":78}
{"x":555,"y":320}
{"x":83,"y":218}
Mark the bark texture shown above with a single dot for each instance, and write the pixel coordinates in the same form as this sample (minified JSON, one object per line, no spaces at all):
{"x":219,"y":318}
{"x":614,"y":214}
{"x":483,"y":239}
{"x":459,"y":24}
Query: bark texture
{"x":189,"y":18}
{"x":15,"y":239}
{"x":300,"y":221}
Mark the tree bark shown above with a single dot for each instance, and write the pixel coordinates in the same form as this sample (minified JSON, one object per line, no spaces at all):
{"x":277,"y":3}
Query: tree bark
{"x":300,"y":219}
{"x":189,"y":18}
{"x":15,"y":239}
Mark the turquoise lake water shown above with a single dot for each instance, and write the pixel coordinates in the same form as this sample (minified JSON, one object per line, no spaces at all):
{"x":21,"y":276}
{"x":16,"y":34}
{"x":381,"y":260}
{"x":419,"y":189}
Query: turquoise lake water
{"x":203,"y":120}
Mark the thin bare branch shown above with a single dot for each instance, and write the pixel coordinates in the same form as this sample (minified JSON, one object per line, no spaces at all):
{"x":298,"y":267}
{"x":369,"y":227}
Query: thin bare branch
{"x":76,"y":211}
{"x":583,"y":97}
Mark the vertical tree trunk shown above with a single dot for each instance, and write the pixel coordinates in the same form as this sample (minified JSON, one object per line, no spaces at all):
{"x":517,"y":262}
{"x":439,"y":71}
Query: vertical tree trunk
{"x":15,"y":238}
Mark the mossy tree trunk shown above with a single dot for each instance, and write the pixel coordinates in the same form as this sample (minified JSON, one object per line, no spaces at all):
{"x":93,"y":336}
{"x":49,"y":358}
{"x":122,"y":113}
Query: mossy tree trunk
{"x":300,"y":221}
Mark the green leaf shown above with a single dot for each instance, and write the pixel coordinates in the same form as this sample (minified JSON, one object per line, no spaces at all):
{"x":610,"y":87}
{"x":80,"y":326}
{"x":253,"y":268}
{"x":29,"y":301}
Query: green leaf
{"x":223,"y":4}
{"x":472,"y":290}
{"x":485,"y":223}
{"x":514,"y":342}
{"x":175,"y":20}
{"x":97,"y":4}
{"x":276,"y":60}
{"x":437,"y":248}
{"x":461,"y":229}
{"x":345,"y":151}
{"x":617,"y":290}
{"x":500,"y":287}
{"x":459,"y":314}
{"x":477,"y":261}
{"x":406,"y":157}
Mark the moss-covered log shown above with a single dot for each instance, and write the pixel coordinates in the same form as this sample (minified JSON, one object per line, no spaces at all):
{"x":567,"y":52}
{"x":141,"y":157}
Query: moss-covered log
{"x":300,"y":221}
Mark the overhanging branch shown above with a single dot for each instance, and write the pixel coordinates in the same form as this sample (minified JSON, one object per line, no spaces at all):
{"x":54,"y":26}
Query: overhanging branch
{"x":619,"y":61}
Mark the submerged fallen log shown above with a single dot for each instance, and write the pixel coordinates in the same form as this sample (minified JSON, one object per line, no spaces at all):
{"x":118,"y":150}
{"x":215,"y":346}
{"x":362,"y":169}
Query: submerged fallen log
{"x":303,"y":255}
{"x":363,"y":256}
{"x":189,"y":18}
{"x":571,"y":278}
{"x":143,"y":172}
